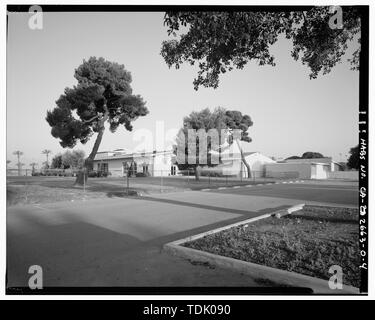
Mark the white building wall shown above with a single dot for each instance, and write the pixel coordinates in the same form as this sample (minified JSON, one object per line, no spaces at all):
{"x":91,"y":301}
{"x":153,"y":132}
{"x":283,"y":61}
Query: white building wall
{"x":319,"y":171}
{"x":162,"y":165}
{"x":159,"y":164}
{"x":114,"y":166}
{"x":257,"y":163}
{"x":333,"y":166}
{"x":233,"y":166}
{"x":227,"y":168}
{"x":288,"y":170}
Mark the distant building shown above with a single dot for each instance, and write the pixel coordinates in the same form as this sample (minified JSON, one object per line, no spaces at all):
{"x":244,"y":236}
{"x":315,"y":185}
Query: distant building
{"x":120,"y":162}
{"x":335,"y":166}
{"x":231,"y":163}
{"x":318,"y":168}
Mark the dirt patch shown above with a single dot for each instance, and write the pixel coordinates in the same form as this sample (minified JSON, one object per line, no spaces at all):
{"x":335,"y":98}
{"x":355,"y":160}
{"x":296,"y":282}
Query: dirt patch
{"x":307,"y":242}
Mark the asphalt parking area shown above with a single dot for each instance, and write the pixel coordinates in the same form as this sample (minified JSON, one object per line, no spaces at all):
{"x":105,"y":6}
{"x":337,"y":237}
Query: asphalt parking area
{"x":324,"y":192}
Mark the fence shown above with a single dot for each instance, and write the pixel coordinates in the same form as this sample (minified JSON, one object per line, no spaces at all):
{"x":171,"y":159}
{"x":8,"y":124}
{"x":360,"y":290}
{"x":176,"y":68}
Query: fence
{"x":21,"y":172}
{"x":131,"y":182}
{"x":43,"y":172}
{"x":163,"y":180}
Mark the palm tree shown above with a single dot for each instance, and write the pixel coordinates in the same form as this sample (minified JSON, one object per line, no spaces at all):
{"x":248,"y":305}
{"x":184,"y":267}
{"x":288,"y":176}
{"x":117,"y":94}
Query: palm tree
{"x":19,"y":165}
{"x":33,"y":165}
{"x":46,"y":152}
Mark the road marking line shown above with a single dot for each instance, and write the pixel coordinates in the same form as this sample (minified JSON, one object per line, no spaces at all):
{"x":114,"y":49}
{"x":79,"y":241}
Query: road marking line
{"x":259,"y":184}
{"x":205,"y":189}
{"x":236,"y":187}
{"x":221,"y":188}
{"x":248,"y":185}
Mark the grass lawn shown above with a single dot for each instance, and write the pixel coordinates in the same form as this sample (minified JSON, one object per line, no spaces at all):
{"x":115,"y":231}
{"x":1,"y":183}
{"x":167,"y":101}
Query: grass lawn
{"x":309,"y":242}
{"x":35,"y":190}
{"x":22,"y":194}
{"x":203,"y":183}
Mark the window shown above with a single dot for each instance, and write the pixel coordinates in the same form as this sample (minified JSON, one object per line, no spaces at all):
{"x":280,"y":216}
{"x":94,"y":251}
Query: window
{"x":103,"y":167}
{"x":145,"y":168}
{"x":173,"y":170}
{"x":129,"y":167}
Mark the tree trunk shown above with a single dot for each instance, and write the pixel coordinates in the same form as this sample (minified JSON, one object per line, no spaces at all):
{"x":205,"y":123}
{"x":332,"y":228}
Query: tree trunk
{"x":89,"y":161}
{"x":81,"y":178}
{"x":243,"y":159}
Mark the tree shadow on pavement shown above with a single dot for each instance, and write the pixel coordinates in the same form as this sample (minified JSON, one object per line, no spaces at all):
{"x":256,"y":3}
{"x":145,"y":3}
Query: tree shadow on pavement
{"x":215,"y":208}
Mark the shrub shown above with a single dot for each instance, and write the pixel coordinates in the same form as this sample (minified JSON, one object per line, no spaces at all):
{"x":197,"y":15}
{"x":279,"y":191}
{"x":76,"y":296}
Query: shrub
{"x":211,"y":173}
{"x":142,"y":175}
{"x":92,"y":174}
{"x":102,"y":174}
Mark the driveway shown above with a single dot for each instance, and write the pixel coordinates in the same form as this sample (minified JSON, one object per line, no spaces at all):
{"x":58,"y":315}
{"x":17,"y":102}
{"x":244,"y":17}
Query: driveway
{"x":118,"y":242}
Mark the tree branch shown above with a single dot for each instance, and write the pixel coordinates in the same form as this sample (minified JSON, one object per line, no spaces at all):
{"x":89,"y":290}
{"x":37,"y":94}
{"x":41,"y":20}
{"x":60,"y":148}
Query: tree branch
{"x":89,"y":120}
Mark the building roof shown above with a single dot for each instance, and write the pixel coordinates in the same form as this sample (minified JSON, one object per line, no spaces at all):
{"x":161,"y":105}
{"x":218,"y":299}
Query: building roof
{"x":249,"y":153}
{"x":299,"y":163}
{"x":112,"y":155}
{"x":308,"y":160}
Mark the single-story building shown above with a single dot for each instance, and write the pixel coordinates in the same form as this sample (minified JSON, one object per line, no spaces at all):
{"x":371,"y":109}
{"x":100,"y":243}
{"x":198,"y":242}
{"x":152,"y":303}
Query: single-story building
{"x":318,"y":168}
{"x":235,"y":167}
{"x":120,"y":162}
{"x":232,"y":165}
{"x":334,"y":166}
{"x":285,"y":170}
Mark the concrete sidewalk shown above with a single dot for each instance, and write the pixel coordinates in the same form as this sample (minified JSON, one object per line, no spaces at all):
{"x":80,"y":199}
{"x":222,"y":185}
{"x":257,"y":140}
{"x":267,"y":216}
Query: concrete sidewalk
{"x":117,"y":242}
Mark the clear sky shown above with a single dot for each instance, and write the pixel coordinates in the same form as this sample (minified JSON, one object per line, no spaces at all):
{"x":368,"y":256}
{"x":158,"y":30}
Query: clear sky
{"x":291,"y":113}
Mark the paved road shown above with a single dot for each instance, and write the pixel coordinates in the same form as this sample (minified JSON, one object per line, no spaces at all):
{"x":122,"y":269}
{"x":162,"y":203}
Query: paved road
{"x":327,"y":192}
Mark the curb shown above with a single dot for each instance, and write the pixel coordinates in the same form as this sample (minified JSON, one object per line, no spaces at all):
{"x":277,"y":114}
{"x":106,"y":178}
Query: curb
{"x":251,"y":185}
{"x":237,"y":186}
{"x":283,"y":277}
